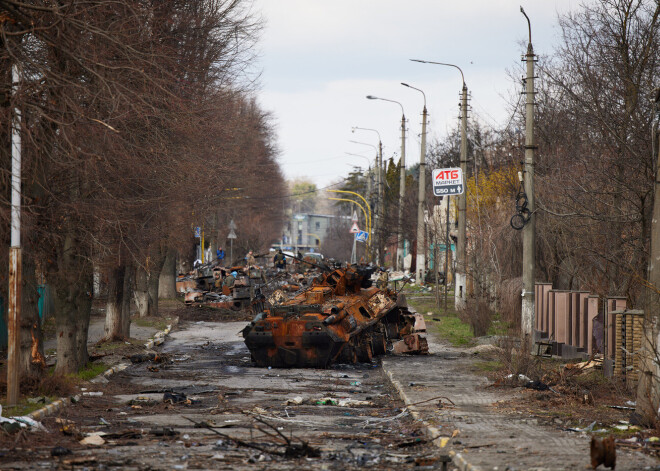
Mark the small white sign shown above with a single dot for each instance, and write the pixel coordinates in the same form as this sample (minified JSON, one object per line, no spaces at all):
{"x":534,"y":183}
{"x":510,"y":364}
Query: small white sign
{"x":354,"y":218}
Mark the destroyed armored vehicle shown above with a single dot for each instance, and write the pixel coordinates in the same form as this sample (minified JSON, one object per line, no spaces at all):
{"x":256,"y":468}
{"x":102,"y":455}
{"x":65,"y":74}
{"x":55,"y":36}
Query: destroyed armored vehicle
{"x":340,"y":318}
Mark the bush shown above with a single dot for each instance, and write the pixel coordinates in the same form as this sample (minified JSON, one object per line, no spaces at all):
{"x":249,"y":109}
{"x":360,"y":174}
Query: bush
{"x":478,"y":315}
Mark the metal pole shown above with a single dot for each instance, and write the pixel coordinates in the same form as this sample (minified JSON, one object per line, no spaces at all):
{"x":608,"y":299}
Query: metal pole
{"x":421,"y":254}
{"x":529,"y":231}
{"x":402,"y":194}
{"x":15,"y":259}
{"x":460,"y":284}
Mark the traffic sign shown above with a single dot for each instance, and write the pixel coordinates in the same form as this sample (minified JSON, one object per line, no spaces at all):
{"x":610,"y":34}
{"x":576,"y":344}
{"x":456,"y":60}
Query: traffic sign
{"x":361,"y":236}
{"x":198,"y":232}
{"x":448,"y":181}
{"x":354,"y":228}
{"x":232,"y":234}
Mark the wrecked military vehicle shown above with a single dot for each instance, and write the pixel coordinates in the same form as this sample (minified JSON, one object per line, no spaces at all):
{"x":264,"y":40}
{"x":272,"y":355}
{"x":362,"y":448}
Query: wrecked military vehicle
{"x":340,"y":318}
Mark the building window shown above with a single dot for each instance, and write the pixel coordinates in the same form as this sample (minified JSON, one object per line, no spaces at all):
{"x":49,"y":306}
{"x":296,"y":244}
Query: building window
{"x":318,"y":225}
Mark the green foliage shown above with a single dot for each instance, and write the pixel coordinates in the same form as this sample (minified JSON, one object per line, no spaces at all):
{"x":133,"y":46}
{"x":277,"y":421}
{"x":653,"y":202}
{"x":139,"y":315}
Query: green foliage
{"x":305,"y":195}
{"x":447,"y":324}
{"x":91,"y":370}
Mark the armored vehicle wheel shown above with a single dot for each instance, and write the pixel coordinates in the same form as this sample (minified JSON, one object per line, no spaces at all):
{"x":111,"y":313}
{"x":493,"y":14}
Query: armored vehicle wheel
{"x":347,"y":354}
{"x":364,"y":352}
{"x":378,"y":343}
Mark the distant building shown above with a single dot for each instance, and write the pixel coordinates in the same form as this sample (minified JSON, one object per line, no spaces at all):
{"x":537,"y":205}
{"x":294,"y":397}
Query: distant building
{"x":306,"y":232}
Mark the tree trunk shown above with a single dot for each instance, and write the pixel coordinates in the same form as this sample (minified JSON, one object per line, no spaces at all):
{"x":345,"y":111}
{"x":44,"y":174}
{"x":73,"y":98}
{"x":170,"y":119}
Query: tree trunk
{"x":167,"y":280}
{"x":116,"y":326}
{"x":32,"y":361}
{"x":129,"y":277}
{"x":71,"y":282}
{"x":154,"y":276}
{"x":142,"y":300}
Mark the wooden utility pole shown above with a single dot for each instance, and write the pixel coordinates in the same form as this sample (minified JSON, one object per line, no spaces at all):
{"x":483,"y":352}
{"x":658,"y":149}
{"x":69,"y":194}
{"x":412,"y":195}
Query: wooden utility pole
{"x":529,"y":231}
{"x":15,"y":259}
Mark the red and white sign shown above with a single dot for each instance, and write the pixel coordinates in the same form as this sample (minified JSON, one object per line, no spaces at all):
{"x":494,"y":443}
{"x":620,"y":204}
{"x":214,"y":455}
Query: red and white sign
{"x":354,"y":228}
{"x":447,"y":181}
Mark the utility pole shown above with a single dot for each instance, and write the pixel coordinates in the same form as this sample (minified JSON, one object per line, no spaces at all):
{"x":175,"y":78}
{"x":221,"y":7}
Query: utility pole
{"x":461,"y":266}
{"x":648,"y":389}
{"x":402,"y":194}
{"x":379,"y":210}
{"x":421,"y":205}
{"x":460,"y":283}
{"x":15,"y":258}
{"x":529,"y":231}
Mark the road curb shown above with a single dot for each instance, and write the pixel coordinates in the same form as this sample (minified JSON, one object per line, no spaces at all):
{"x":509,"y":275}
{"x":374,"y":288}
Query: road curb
{"x":159,"y":337}
{"x":432,"y":432}
{"x":51,"y":408}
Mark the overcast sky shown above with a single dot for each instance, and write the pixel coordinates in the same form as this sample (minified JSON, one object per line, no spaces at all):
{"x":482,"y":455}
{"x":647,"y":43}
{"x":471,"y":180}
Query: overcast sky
{"x":320,"y":58}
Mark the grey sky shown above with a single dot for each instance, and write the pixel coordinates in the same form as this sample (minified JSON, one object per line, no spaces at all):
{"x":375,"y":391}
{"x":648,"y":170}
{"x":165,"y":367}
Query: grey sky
{"x":321,"y":58}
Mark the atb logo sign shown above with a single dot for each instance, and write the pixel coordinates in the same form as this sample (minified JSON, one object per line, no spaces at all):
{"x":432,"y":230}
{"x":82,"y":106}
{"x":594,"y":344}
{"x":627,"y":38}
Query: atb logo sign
{"x":447,"y":181}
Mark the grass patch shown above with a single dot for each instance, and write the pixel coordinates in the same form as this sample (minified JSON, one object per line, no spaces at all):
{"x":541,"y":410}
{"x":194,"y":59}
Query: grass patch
{"x":456,"y":331}
{"x":446,"y":323}
{"x":91,"y":370}
{"x":24,"y":408}
{"x":488,"y":365}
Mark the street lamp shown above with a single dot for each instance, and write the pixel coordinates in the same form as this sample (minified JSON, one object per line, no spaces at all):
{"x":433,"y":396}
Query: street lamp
{"x":379,"y":185}
{"x":402,"y":183}
{"x":421,"y":200}
{"x":461,"y":266}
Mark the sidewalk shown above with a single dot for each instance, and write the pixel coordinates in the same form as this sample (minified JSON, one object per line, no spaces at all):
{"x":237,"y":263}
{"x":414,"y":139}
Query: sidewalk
{"x":487,"y":439}
{"x":96,"y":333}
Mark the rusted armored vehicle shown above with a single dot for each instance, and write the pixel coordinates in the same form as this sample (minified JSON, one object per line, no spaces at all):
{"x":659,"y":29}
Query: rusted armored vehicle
{"x":339,"y":318}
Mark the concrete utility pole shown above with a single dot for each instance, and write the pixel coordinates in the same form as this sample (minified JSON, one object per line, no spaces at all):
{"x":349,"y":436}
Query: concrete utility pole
{"x":379,"y":190}
{"x":421,"y":200}
{"x":15,"y":258}
{"x":402,"y":185}
{"x":402,"y":194}
{"x":460,"y":283}
{"x":648,"y":389}
{"x":529,"y":231}
{"x":461,"y":260}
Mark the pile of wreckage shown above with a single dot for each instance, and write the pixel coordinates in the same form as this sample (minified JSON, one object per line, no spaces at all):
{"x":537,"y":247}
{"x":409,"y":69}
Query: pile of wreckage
{"x":242,"y":286}
{"x":312,"y":316}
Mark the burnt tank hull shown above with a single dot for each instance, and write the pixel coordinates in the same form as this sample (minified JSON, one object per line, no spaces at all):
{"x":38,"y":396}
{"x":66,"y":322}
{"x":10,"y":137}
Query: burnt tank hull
{"x":340,"y":318}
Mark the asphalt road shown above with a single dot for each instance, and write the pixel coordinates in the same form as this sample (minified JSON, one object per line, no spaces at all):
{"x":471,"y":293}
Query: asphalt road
{"x":346,"y":417}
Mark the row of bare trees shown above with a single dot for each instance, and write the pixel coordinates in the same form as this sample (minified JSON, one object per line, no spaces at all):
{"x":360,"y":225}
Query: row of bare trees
{"x":595,"y":167}
{"x":137,"y":117}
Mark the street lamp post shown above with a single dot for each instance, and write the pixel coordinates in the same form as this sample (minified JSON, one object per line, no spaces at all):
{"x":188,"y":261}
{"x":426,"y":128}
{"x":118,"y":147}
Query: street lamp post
{"x":402,"y":184}
{"x":461,"y":265}
{"x":421,"y":200}
{"x":379,"y":189}
{"x":529,"y":231}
